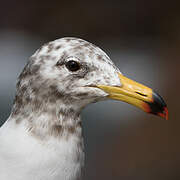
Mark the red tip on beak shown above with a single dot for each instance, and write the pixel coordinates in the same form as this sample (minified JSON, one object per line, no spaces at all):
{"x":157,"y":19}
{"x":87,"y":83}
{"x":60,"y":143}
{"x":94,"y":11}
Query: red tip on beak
{"x":164,"y":114}
{"x":157,"y":106}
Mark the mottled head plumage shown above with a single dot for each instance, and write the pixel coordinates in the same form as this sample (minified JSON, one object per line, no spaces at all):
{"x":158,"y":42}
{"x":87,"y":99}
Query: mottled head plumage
{"x":47,"y":85}
{"x":47,"y":75}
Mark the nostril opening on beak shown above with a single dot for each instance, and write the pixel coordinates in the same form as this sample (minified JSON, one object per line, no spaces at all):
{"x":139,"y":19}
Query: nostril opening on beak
{"x":141,"y":94}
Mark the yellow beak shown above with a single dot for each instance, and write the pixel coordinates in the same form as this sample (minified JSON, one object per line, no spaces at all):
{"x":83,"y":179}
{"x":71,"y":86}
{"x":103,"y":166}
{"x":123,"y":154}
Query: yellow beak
{"x":137,"y":95}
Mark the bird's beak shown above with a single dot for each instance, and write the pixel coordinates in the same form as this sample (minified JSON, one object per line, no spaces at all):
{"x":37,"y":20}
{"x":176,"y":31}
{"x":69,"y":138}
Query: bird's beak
{"x":137,"y":95}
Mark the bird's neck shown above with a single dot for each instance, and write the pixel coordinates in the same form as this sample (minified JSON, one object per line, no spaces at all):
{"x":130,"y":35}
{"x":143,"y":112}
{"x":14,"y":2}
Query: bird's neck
{"x":53,"y":137}
{"x":56,"y":120}
{"x":52,"y":123}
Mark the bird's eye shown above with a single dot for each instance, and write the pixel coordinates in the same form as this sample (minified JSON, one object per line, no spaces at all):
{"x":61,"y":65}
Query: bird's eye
{"x":72,"y":65}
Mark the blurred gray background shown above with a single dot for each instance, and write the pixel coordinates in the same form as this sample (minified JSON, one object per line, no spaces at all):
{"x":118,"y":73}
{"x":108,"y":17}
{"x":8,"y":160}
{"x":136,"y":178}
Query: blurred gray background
{"x":143,"y":39}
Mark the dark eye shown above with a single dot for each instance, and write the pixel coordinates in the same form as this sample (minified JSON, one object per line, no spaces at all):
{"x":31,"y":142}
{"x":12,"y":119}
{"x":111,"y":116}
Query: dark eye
{"x":72,"y":65}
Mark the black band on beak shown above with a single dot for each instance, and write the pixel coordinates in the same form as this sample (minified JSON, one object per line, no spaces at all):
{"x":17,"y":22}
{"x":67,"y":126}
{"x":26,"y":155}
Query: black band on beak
{"x":158,"y":106}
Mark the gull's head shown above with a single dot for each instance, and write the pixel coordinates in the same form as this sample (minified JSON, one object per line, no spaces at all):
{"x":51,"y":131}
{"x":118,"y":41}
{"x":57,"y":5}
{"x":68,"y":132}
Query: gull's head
{"x":75,"y":72}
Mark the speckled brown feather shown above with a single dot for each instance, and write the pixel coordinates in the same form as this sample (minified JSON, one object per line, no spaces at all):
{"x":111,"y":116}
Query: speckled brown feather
{"x":50,"y":98}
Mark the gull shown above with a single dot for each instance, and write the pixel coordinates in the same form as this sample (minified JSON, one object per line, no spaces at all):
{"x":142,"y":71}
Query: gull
{"x":42,"y":139}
